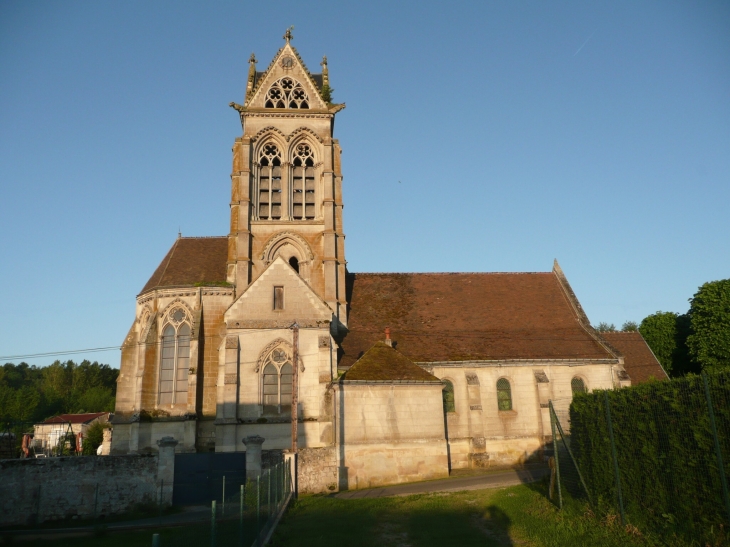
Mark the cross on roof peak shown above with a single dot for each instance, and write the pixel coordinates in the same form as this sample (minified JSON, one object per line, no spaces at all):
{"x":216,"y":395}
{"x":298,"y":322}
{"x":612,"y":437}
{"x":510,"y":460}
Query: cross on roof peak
{"x":288,"y":36}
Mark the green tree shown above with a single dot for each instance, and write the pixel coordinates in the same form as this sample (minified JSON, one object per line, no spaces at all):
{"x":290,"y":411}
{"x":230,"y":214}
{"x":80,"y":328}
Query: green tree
{"x":666,"y":334}
{"x":605,"y":327}
{"x":709,"y":314}
{"x":95,"y":399}
{"x":94,"y":437}
{"x":629,"y":326}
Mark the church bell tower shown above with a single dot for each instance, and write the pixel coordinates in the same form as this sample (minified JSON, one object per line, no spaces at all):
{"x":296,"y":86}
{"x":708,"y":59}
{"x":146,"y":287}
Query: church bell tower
{"x":286,"y":194}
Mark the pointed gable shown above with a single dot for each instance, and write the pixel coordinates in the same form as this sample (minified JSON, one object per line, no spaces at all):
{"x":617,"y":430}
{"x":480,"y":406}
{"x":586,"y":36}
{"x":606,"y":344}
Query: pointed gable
{"x":256,"y":303}
{"x":382,"y":363}
{"x":287,"y":64}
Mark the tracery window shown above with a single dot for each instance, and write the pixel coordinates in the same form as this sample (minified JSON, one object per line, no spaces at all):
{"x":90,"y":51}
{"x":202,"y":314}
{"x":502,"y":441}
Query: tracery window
{"x":269,"y":182}
{"x":286,"y":93}
{"x":577,"y":385}
{"x":277,"y":383}
{"x":504,"y":394}
{"x":175,"y":361}
{"x":448,"y":397}
{"x":302,"y":198}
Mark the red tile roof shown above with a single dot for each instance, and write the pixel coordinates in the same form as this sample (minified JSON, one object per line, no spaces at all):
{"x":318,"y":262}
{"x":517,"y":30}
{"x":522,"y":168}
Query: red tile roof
{"x":190,"y":261}
{"x":382,"y":363}
{"x":75,"y":418}
{"x":639,"y":361}
{"x":467,"y":316}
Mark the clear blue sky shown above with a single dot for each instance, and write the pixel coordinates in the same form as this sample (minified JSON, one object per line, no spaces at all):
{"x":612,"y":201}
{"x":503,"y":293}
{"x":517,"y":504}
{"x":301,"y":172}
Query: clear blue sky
{"x":478,"y":136}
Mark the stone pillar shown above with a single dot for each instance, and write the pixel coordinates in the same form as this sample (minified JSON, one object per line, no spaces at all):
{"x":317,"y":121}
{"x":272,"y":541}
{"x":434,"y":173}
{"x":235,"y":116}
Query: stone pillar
{"x":292,"y":460}
{"x":166,"y":468}
{"x":253,"y":455}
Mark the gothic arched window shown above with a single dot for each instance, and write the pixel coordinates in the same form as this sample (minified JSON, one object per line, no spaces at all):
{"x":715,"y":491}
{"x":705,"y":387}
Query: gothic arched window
{"x":302,"y":197}
{"x":286,"y":93}
{"x":175,"y":361}
{"x":448,"y":397}
{"x":277,"y":383}
{"x":577,"y":385}
{"x":504,"y":394}
{"x":269,"y":183}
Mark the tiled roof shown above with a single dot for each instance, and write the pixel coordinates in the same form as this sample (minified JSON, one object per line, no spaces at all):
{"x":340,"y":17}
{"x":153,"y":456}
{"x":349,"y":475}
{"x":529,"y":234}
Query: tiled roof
{"x":466,"y":316}
{"x":639,"y":361}
{"x":190,"y":261}
{"x":74,"y":418}
{"x":382,"y":363}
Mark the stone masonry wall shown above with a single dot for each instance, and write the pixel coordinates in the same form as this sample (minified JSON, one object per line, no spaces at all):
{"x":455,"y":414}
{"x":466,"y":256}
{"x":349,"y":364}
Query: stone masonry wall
{"x":317,"y":471}
{"x":38,"y":490}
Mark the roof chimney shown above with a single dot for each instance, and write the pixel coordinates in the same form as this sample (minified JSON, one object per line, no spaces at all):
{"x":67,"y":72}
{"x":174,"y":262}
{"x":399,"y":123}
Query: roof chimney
{"x":388,"y":341}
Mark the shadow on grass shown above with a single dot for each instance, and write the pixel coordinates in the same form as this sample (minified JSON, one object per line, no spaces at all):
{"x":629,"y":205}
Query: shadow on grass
{"x":425,"y":520}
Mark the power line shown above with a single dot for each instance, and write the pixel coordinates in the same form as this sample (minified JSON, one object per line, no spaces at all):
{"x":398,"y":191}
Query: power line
{"x":440,"y":333}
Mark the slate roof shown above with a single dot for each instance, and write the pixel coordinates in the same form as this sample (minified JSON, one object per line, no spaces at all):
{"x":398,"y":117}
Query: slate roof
{"x":467,"y":316}
{"x":639,"y":360}
{"x":75,"y":418}
{"x":382,"y":363}
{"x":191,"y":260}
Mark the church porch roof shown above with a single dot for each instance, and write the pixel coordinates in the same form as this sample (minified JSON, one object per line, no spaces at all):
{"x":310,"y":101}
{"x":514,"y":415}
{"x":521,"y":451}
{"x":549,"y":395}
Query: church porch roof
{"x":382,"y":363}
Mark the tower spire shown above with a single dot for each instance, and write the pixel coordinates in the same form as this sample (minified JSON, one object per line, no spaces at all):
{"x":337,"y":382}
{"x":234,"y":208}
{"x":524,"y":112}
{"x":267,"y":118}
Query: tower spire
{"x":325,"y":72}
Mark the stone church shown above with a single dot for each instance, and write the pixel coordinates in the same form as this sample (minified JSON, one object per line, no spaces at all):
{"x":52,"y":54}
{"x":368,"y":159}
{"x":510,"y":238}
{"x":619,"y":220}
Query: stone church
{"x":401,"y":377}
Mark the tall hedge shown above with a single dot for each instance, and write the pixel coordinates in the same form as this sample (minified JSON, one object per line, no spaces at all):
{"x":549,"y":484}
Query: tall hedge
{"x":665,"y":451}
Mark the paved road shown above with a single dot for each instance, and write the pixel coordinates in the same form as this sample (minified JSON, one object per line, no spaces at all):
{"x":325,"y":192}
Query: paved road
{"x":452,"y":484}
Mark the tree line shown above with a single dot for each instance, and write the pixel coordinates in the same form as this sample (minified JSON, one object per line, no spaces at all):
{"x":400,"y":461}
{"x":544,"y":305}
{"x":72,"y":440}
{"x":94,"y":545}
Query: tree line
{"x":32,"y":394}
{"x":692,"y":342}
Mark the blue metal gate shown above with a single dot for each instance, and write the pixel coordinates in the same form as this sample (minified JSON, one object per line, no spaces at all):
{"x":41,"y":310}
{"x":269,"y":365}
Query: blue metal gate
{"x":199,"y":477}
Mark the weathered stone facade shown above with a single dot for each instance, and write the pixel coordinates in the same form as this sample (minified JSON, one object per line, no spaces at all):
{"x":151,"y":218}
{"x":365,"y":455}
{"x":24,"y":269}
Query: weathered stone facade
{"x":210,"y":359}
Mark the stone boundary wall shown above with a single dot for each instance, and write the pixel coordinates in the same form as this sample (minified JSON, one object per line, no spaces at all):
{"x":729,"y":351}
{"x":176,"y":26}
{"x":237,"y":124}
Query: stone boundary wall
{"x":317,"y":470}
{"x":46,"y":489}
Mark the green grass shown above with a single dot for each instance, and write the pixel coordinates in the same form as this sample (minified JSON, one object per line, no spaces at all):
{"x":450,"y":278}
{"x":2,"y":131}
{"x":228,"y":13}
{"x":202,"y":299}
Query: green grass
{"x":515,"y":516}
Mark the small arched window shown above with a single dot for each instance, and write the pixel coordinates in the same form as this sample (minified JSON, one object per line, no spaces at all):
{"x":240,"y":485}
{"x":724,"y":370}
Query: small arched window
{"x":294,"y":263}
{"x":577,"y":385}
{"x":302,"y":198}
{"x":269,"y":183}
{"x":286,"y":93}
{"x":504,"y":394}
{"x":277,"y":383}
{"x":175,"y":361}
{"x":448,"y":396}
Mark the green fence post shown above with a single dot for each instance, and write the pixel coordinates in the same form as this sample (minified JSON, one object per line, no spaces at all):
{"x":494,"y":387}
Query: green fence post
{"x":268,"y":498}
{"x":212,"y":523}
{"x":616,"y":474}
{"x":155,"y":540}
{"x":555,"y":454}
{"x":718,"y":453}
{"x":240,"y":519}
{"x":258,"y":504}
{"x":223,"y":498}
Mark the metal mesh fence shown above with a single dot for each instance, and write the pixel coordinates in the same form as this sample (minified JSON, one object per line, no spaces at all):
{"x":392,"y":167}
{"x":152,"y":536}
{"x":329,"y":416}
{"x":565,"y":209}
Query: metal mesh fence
{"x":657,"y":455}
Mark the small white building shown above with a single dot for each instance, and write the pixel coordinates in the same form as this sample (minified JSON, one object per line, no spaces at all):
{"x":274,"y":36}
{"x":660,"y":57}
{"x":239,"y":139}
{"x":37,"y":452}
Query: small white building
{"x":48,"y":433}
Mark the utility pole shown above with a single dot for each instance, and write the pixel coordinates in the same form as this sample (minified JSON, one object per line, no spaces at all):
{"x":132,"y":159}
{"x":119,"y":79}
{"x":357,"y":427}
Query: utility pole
{"x":295,"y":388}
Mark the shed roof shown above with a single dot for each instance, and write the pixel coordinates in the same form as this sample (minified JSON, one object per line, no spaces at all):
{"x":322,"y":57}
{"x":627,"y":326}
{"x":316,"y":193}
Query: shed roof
{"x":468,"y":316}
{"x":382,"y":363}
{"x":639,"y":360}
{"x":75,"y":418}
{"x":190,"y":261}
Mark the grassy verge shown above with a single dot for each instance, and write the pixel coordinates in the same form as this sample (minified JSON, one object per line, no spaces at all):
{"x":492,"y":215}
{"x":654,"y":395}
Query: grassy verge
{"x":519,"y":515}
